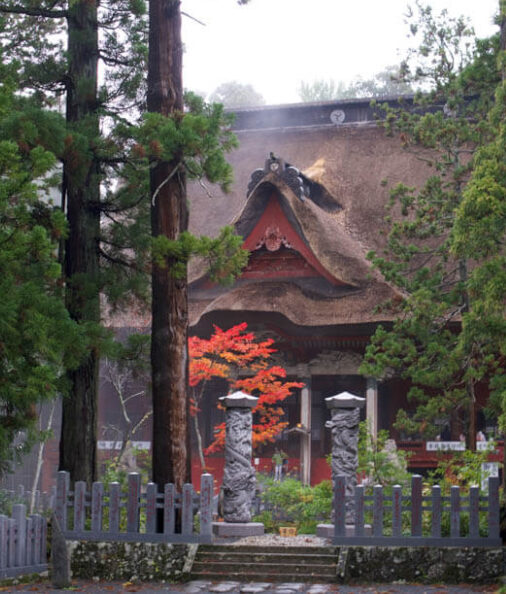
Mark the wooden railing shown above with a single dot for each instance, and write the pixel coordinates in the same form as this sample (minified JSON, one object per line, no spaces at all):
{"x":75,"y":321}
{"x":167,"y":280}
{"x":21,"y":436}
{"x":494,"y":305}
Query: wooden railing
{"x":422,"y":516}
{"x":22,"y":543}
{"x":134,"y":515}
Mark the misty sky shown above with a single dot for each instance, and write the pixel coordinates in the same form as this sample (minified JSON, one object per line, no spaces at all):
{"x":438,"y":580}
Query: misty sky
{"x":276,"y":44}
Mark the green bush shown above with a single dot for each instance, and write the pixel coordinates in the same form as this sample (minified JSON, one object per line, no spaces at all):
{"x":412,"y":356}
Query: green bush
{"x":288,"y":502}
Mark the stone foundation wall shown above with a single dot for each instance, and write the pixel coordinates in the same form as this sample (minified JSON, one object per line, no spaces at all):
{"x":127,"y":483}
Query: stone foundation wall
{"x":128,"y":561}
{"x":421,"y":564}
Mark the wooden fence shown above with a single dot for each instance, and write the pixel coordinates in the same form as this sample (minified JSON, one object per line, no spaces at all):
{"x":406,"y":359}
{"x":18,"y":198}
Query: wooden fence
{"x":423,"y":515}
{"x":132,"y":515}
{"x":22,"y":543}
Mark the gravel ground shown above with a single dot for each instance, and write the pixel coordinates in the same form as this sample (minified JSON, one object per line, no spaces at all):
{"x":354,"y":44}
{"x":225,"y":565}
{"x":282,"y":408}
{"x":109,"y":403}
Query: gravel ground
{"x":301,"y":540}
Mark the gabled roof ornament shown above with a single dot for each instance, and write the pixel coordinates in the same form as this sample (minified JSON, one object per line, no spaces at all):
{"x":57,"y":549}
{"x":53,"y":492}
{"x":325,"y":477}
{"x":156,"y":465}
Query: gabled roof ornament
{"x":289,"y":174}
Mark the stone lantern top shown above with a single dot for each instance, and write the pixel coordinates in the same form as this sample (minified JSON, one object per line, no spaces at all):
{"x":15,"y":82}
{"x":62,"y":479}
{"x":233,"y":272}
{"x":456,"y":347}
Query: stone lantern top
{"x":345,"y":400}
{"x":239,"y":400}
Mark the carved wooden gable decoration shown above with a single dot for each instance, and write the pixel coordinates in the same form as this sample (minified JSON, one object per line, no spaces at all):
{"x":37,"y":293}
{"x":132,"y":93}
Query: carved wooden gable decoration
{"x":279,"y":249}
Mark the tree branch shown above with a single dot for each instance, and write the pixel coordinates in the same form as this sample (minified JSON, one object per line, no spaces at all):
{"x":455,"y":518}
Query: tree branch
{"x":165,"y":181}
{"x":193,"y":18}
{"x":36,"y":12}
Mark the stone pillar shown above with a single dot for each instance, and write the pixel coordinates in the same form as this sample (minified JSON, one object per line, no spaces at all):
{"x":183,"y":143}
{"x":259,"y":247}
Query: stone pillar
{"x":239,"y":480}
{"x":305,"y":437}
{"x":372,"y":406}
{"x":345,"y":417}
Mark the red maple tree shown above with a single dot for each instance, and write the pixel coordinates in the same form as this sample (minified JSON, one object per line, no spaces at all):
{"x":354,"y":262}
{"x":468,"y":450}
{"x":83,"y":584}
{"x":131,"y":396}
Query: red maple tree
{"x":236,"y":356}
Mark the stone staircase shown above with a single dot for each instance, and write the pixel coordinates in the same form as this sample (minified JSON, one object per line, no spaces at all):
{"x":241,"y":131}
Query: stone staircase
{"x":265,"y":564}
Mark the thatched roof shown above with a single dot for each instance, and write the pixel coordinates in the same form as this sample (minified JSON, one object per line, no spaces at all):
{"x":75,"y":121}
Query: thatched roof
{"x":319,"y":224}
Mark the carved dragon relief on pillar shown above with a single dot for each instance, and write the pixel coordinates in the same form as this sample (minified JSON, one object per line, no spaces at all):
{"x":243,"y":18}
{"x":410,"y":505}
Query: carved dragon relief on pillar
{"x":345,"y":418}
{"x":239,"y":480}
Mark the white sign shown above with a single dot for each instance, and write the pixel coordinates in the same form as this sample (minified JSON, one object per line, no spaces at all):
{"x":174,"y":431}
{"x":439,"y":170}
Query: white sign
{"x":488,"y":469}
{"x":117,"y":445}
{"x":484,"y":445}
{"x":446,"y":446}
{"x":109,"y":445}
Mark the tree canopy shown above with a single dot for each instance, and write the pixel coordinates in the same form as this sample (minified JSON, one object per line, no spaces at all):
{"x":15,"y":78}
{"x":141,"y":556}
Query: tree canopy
{"x":235,"y":94}
{"x":425,"y":344}
{"x":237,"y":356}
{"x":39,"y":341}
{"x":386,"y":82}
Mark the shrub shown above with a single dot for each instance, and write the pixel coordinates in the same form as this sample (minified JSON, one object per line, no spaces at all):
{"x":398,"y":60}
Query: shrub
{"x":290,"y":502}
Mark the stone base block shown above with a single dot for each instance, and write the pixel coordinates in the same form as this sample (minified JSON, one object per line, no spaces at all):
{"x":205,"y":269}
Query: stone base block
{"x":327,"y":530}
{"x":230,"y":529}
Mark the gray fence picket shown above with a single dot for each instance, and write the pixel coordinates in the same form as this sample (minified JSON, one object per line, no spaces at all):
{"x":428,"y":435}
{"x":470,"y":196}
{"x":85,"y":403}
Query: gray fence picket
{"x":474,"y":511}
{"x":416,"y":505}
{"x":134,"y":492}
{"x":187,"y":504}
{"x":12,"y":539}
{"x":29,"y":542}
{"x":114,"y":507}
{"x":43,"y":540}
{"x":493,"y":507}
{"x":97,"y":497}
{"x":169,"y":504}
{"x":151,"y":495}
{"x":19,"y":517}
{"x":3,"y":541}
{"x":397,"y":510}
{"x":79,"y":505}
{"x":454,"y":511}
{"x":37,"y":539}
{"x":359,"y":510}
{"x":62,"y":492}
{"x":377,"y":511}
{"x":435,"y":529}
{"x":206,"y":501}
{"x":340,"y":506}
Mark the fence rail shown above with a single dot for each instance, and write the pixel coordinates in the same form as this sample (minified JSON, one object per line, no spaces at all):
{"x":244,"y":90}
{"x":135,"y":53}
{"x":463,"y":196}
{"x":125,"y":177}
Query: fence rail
{"x":133,"y":515}
{"x":22,"y":543}
{"x":425,"y":516}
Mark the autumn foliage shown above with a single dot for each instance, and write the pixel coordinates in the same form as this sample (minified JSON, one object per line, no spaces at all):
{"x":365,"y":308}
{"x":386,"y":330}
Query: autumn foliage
{"x":236,"y":356}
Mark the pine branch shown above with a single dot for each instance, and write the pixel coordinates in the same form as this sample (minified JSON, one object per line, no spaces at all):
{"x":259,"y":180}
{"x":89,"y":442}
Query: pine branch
{"x":36,"y":12}
{"x":113,"y":61}
{"x":115,"y":260}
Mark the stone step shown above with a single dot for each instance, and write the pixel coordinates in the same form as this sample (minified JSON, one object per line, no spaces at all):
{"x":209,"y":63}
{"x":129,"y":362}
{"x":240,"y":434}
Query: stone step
{"x":267,"y":564}
{"x":265,"y":557}
{"x":228,"y":567}
{"x":243,"y":576}
{"x":311,"y":550}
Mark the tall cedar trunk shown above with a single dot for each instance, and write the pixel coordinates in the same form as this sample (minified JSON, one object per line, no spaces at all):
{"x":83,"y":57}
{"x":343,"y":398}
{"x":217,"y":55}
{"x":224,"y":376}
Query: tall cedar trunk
{"x":79,"y":415}
{"x":169,"y":217}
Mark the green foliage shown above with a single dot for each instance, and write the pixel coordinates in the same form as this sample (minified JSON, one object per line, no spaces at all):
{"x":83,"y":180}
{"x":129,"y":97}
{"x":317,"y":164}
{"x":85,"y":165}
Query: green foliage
{"x":38,"y":338}
{"x":479,"y":233}
{"x":224,"y":255}
{"x":290,"y":502}
{"x":378,"y":462}
{"x":7,"y":500}
{"x":463,"y":469}
{"x":436,"y":290}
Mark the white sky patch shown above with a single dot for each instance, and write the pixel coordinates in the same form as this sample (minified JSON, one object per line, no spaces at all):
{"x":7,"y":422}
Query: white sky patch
{"x":275,"y":44}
